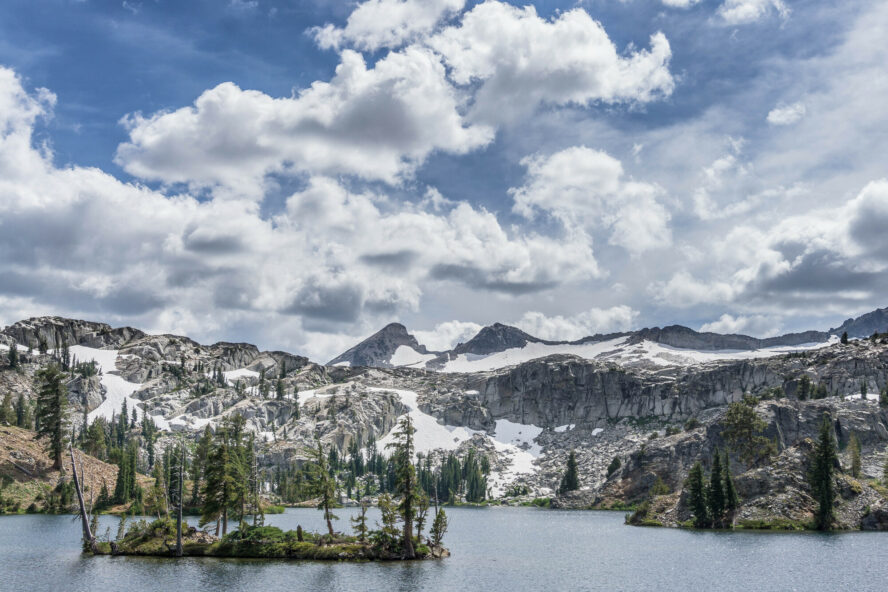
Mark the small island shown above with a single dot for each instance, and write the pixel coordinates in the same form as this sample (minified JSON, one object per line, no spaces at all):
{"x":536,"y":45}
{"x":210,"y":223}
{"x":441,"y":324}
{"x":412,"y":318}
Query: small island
{"x":158,"y":539}
{"x":398,"y":537}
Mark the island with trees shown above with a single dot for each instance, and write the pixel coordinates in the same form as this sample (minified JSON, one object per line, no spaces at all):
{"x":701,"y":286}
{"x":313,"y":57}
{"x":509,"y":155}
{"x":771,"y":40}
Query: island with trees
{"x":231,"y":491}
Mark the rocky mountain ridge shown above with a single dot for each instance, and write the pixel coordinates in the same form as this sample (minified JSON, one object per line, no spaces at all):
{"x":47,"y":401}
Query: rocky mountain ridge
{"x":378,"y":349}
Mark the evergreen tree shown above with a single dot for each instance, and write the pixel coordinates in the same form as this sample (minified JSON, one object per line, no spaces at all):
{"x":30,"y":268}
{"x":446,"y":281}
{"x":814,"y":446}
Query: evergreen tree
{"x":7,"y":414}
{"x":863,"y":390}
{"x":821,"y":476}
{"x":321,"y":482}
{"x":732,"y":500}
{"x":405,"y":483}
{"x":12,"y":357}
{"x":218,"y":489}
{"x":94,"y":442}
{"x":571,"y":479}
{"x":744,"y":432}
{"x":198,"y":463}
{"x":697,"y":496}
{"x":854,"y":445}
{"x":22,"y":413}
{"x":715,"y":494}
{"x":279,"y":389}
{"x":439,"y":527}
{"x":359,"y":523}
{"x":52,"y":398}
{"x":844,"y":338}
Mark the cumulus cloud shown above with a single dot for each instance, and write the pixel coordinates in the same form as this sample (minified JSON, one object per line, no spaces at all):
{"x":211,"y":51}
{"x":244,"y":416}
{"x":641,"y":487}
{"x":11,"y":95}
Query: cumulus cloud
{"x":447,"y":335}
{"x":786,"y":114}
{"x":519,"y":61}
{"x":584,"y":324}
{"x":740,"y":12}
{"x":374,"y":123}
{"x":834,"y":256}
{"x":212,"y":265}
{"x":584,"y":187}
{"x":375,"y":24}
{"x":755,"y":325}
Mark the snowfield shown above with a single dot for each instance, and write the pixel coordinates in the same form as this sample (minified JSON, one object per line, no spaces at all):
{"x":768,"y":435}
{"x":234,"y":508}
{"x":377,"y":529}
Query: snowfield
{"x":512,"y":441}
{"x":407,"y":356}
{"x":117,"y":389}
{"x":618,"y":351}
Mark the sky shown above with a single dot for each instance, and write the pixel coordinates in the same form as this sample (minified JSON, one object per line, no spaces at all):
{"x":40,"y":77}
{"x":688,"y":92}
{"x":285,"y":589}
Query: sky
{"x":298,"y":174}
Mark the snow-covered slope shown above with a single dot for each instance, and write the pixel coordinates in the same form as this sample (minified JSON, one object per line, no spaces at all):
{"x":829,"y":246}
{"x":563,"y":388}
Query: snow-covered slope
{"x":622,"y":351}
{"x":513,"y":442}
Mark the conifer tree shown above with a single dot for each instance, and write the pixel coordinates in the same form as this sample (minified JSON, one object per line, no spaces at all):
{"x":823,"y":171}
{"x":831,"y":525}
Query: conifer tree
{"x":198,"y":464}
{"x":715,"y":494}
{"x":321,"y":482}
{"x":732,"y":500}
{"x":405,"y":480}
{"x":439,"y":527}
{"x":697,"y":496}
{"x":52,"y":398}
{"x":821,"y":476}
{"x":279,"y":389}
{"x":571,"y":479}
{"x":359,"y":523}
{"x":12,"y":357}
{"x":854,"y":445}
{"x":22,"y":413}
{"x":218,"y":488}
{"x":7,"y":414}
{"x":844,"y":338}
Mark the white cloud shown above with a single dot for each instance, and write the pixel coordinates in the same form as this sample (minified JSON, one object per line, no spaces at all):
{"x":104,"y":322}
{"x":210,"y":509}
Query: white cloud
{"x":520,"y":60}
{"x":585,"y":187}
{"x":680,"y":3}
{"x":755,"y":325}
{"x":375,"y":24}
{"x":584,"y":324}
{"x":377,"y":123}
{"x":447,"y":335}
{"x":78,"y":241}
{"x":786,"y":114}
{"x":739,"y":12}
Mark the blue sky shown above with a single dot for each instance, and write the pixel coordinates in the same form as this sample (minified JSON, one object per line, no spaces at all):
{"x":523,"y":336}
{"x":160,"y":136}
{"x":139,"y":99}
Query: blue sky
{"x":299,"y":173}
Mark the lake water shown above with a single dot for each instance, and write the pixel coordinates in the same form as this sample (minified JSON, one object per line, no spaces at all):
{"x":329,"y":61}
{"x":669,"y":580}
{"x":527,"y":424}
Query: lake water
{"x":494,"y":549}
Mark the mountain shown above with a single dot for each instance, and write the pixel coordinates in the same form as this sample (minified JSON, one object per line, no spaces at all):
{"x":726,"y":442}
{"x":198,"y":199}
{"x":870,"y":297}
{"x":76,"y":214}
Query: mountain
{"x":498,"y":345}
{"x":391,"y":346}
{"x":864,"y":325}
{"x":520,"y":402}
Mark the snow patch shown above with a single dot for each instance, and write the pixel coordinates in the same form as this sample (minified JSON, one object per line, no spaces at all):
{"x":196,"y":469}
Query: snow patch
{"x":232,"y":375}
{"x":117,"y":389}
{"x":407,"y":356}
{"x":565,"y":428}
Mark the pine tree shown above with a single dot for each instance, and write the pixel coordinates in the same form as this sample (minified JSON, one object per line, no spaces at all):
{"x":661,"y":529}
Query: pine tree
{"x":22,"y":413}
{"x":697,"y":496}
{"x":218,"y":488}
{"x":715,"y":494}
{"x":322,"y":482}
{"x":12,"y":357}
{"x":732,"y":500}
{"x":439,"y":527}
{"x":571,"y":480}
{"x":7,"y":414}
{"x":863,"y":390}
{"x":279,"y":389}
{"x":198,"y":464}
{"x":52,"y":398}
{"x":854,"y":445}
{"x":359,"y":523}
{"x":821,"y":476}
{"x":844,"y":338}
{"x":405,"y":480}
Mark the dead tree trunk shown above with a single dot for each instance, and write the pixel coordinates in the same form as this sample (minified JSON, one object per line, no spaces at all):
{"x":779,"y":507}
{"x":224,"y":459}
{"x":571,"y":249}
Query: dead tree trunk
{"x":88,"y":537}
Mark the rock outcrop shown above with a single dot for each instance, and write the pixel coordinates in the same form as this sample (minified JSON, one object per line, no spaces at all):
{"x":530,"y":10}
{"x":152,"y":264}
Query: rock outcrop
{"x":378,"y":349}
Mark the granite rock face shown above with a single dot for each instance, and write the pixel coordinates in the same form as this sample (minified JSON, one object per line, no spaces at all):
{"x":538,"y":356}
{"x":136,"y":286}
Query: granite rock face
{"x":55,"y":331}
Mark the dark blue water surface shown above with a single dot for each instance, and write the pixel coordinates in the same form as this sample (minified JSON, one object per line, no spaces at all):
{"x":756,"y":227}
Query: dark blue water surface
{"x":494,"y":549}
